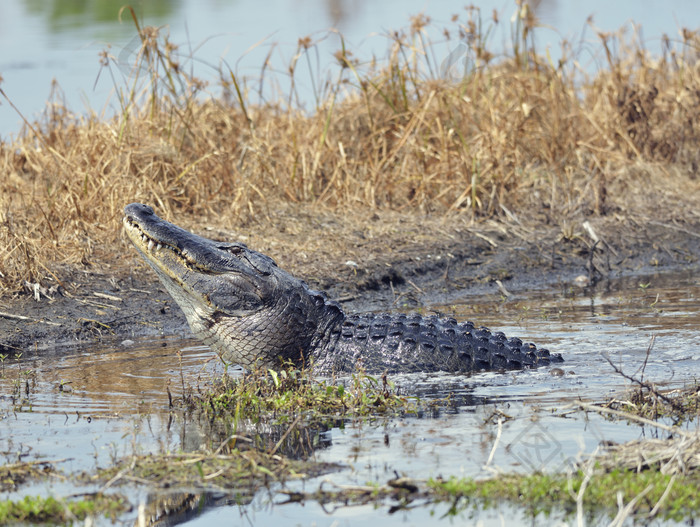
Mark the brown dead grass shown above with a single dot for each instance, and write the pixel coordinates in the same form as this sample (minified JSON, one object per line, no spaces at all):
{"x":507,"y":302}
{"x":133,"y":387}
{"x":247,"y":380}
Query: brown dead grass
{"x":518,"y":133}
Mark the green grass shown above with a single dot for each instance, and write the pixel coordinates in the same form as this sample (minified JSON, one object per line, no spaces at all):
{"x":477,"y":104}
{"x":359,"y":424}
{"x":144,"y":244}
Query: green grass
{"x":284,"y":395}
{"x":539,"y":493}
{"x":50,"y":510}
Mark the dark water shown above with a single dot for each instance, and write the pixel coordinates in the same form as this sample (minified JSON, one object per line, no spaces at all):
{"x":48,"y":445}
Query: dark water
{"x":92,"y":406}
{"x":42,"y":41}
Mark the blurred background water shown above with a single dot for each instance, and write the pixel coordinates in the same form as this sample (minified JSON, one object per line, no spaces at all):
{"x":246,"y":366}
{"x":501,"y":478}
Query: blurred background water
{"x":61,"y":40}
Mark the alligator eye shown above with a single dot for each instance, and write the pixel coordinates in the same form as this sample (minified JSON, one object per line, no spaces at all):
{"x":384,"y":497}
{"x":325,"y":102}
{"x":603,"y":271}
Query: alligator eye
{"x":233,"y":249}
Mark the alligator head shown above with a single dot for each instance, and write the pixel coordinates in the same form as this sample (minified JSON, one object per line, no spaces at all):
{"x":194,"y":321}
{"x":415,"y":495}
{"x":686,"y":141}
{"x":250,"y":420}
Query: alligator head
{"x":235,"y":299}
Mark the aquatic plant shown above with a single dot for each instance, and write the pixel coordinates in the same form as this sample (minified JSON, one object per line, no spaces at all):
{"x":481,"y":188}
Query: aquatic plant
{"x":621,"y":494}
{"x":282,"y":396}
{"x":56,"y":511}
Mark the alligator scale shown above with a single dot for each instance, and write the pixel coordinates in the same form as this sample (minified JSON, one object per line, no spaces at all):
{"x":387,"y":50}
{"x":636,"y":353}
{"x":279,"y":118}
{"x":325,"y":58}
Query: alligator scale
{"x":254,"y":314}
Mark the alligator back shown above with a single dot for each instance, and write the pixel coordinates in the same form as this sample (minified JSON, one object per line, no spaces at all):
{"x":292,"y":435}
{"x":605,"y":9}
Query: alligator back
{"x":413,"y":343}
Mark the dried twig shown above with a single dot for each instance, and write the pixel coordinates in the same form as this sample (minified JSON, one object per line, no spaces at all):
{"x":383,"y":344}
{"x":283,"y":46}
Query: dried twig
{"x":286,"y":433}
{"x":642,"y":384}
{"x":12,"y":316}
{"x":495,"y":443}
{"x":610,"y":411}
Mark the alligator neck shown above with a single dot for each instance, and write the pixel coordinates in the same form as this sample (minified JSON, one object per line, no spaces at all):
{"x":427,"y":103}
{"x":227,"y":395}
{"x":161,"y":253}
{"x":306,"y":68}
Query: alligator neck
{"x":331,"y":317}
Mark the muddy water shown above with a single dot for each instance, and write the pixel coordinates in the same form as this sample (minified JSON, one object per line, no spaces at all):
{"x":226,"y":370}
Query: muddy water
{"x":90,"y":406}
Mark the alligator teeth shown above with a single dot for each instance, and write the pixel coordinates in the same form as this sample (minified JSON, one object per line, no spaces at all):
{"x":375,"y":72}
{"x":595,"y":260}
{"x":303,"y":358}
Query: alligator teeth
{"x":158,"y":247}
{"x":150,"y":245}
{"x":188,"y":258}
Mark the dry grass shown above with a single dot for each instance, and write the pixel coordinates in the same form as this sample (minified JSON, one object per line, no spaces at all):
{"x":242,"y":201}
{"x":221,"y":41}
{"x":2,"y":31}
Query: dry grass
{"x":517,"y":132}
{"x":679,"y":454}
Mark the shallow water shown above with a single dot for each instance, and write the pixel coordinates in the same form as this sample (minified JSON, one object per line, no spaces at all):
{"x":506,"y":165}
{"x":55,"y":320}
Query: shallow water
{"x":92,"y":406}
{"x":88,"y":406}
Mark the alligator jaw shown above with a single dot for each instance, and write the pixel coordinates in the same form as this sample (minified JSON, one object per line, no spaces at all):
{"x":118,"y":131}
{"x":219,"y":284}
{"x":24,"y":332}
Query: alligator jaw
{"x":169,"y":249}
{"x":210,"y":275}
{"x":165,"y":259}
{"x":171,"y":263}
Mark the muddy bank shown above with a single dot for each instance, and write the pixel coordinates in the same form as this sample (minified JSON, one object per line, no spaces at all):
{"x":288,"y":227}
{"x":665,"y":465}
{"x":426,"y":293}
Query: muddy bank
{"x":120,"y":298}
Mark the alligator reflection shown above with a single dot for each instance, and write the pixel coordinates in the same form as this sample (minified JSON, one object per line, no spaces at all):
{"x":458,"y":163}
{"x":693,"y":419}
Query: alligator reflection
{"x":179,"y":507}
{"x":121,"y":379}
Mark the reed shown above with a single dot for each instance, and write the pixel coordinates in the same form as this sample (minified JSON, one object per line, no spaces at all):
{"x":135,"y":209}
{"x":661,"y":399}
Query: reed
{"x":515,"y":132}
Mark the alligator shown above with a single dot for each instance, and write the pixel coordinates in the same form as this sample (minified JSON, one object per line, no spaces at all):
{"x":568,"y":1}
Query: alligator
{"x":256,"y":315}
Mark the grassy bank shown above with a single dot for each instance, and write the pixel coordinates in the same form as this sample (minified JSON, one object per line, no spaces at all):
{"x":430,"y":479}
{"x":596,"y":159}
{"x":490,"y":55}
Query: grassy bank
{"x":517,"y":133}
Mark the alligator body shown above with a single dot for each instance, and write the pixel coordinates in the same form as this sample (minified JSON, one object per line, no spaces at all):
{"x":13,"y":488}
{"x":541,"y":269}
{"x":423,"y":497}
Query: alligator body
{"x":254,"y":314}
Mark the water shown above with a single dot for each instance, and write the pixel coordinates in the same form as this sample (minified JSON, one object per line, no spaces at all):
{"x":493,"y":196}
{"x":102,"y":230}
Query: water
{"x":62,"y":39}
{"x":103,"y":404}
{"x":89,"y":407}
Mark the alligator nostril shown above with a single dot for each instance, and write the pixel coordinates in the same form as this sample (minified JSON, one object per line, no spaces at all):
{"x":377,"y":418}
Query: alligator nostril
{"x":146,"y":209}
{"x":138,"y":209}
